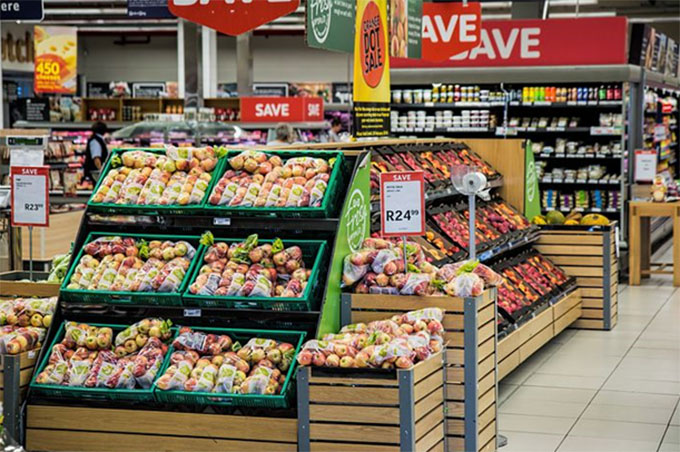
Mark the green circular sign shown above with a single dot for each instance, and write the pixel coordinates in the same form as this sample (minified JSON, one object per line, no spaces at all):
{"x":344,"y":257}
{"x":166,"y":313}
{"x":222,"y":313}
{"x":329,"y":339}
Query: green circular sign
{"x":356,"y":220}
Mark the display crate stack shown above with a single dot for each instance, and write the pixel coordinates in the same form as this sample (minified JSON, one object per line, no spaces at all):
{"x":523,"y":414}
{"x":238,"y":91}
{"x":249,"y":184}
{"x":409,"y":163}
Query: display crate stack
{"x":589,"y":253}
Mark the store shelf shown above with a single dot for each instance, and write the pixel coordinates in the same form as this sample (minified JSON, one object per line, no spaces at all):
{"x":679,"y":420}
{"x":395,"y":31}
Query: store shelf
{"x":443,"y":130}
{"x":66,"y":125}
{"x":514,"y":244}
{"x":544,"y":155}
{"x":447,"y":105}
{"x":582,"y":210}
{"x":579,"y":104}
{"x":549,"y":181}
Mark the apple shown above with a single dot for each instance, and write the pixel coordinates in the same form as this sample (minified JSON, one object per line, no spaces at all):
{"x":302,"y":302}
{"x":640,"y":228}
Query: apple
{"x":13,"y":347}
{"x":420,"y":326}
{"x":257,"y":355}
{"x":319,"y":359}
{"x":47,"y":320}
{"x":305,"y":358}
{"x":217,"y":360}
{"x":141,"y":340}
{"x":333,"y":360}
{"x":274,"y":355}
{"x":347,"y":361}
{"x":103,"y":341}
{"x":155,"y":331}
{"x":91,"y":342}
{"x":23,"y":320}
{"x":340,"y":349}
{"x":403,"y":362}
{"x":36,"y":320}
{"x":130,"y":346}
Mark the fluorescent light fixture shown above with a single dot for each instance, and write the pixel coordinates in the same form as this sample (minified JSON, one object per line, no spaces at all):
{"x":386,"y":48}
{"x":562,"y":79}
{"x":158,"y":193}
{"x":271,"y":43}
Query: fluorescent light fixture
{"x":84,"y":11}
{"x":496,"y":5}
{"x":496,"y":16}
{"x":586,"y":14}
{"x":649,"y":20}
{"x":573,"y":2}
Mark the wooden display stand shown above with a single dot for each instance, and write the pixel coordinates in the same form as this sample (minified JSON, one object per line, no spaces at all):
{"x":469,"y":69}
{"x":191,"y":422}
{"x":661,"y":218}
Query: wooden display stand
{"x":470,"y":336}
{"x":589,"y":254}
{"x":546,"y":323}
{"x":68,"y":428}
{"x":12,"y":286}
{"x":381,"y":411}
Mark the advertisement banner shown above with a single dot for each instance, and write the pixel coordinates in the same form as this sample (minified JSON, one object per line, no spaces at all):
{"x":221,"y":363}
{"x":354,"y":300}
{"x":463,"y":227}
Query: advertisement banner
{"x":532,"y":201}
{"x":406,"y":28}
{"x":371,"y":90}
{"x":537,"y":42}
{"x":56,"y":59}
{"x":281,"y":109}
{"x":329,"y":23}
{"x":450,"y":29}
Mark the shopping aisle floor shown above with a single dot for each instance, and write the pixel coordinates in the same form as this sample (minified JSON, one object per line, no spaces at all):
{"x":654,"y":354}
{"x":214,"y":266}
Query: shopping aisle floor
{"x":600,"y":391}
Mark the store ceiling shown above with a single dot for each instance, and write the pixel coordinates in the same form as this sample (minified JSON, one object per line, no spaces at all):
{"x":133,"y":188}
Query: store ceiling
{"x":110,"y":16}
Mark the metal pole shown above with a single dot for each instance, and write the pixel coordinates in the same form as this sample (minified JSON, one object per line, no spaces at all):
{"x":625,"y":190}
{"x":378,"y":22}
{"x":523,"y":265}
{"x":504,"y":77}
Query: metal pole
{"x":30,"y":253}
{"x":403,"y":238}
{"x":473,"y":234}
{"x":12,"y":372}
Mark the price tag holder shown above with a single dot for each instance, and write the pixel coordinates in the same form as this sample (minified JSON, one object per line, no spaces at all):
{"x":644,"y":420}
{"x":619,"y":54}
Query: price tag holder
{"x":402,"y":203}
{"x":645,"y":165}
{"x":30,"y":196}
{"x":192,"y":313}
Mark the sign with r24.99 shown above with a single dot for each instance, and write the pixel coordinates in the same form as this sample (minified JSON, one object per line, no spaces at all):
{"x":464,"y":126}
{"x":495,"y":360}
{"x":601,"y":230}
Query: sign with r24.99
{"x":402,"y":203}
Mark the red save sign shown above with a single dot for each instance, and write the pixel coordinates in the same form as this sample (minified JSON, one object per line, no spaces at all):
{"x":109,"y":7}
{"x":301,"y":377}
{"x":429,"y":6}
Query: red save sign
{"x":449,"y":29}
{"x":232,"y":17}
{"x":402,"y":203}
{"x":286,"y":109}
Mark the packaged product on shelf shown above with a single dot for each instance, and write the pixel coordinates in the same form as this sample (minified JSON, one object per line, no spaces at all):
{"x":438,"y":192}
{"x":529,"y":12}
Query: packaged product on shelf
{"x":25,"y":312}
{"x":15,"y":339}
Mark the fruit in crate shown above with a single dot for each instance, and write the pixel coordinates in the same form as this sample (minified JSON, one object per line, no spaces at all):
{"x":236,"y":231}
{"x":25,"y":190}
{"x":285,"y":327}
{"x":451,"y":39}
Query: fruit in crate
{"x":16,"y":339}
{"x":180,"y":177}
{"x":116,"y":264}
{"x":244,"y":269}
{"x":84,"y":358}
{"x":259,"y":180}
{"x":398,"y":342}
{"x":23,"y":312}
{"x":555,"y":217}
{"x":206,"y":362}
{"x":594,"y":219}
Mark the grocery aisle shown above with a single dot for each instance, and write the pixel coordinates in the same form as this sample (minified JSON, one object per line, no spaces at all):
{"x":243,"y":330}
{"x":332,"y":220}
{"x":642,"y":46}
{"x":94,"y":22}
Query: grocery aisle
{"x":603,"y":390}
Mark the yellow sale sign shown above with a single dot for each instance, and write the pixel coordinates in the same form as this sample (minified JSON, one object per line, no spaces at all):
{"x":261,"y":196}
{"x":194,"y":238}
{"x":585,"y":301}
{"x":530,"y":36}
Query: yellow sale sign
{"x":56,"y":59}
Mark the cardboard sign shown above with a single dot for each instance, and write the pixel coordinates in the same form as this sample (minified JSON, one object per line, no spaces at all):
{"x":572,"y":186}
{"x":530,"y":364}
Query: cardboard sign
{"x":56,"y":59}
{"x":537,"y":42}
{"x":371,"y":89}
{"x":284,"y":109}
{"x":402,"y":203}
{"x":645,"y":165}
{"x":232,"y":17}
{"x":450,"y":29}
{"x":30,"y":196}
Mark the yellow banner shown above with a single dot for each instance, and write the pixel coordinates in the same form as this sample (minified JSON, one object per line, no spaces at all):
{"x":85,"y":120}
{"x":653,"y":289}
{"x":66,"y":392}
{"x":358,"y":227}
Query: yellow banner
{"x":371,"y":52}
{"x":56,"y":59}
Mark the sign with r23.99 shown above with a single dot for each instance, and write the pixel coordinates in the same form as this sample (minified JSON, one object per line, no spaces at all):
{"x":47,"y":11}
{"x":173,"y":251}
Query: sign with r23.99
{"x":30,"y":196}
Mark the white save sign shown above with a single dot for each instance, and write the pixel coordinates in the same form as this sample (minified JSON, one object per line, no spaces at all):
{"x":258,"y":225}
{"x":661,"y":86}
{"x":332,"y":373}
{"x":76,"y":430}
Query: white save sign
{"x":645,"y":165}
{"x":30,"y":197}
{"x":402,"y":203}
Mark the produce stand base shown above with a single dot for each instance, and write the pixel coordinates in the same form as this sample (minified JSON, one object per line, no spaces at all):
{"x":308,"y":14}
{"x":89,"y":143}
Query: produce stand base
{"x":67,"y":428}
{"x":589,"y":254}
{"x":12,"y":285}
{"x":548,"y":322}
{"x":27,"y":362}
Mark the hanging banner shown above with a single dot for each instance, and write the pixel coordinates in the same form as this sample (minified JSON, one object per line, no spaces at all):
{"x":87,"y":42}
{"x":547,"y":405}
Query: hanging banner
{"x":56,"y":59}
{"x":329,"y":24}
{"x":232,"y":18}
{"x":450,"y":29}
{"x":371,"y":91}
{"x":406,"y":28}
{"x":537,"y":42}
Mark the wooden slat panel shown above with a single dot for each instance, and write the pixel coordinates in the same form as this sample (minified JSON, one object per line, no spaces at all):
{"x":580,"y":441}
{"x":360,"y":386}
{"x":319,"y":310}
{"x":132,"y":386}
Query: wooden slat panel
{"x":486,"y":400}
{"x":439,"y":447}
{"x":354,"y":432}
{"x":405,"y":303}
{"x":487,"y":434}
{"x":486,"y":366}
{"x":321,"y":446}
{"x":592,"y":303}
{"x":26,"y":359}
{"x":453,"y":321}
{"x":24,"y":377}
{"x":507,"y":345}
{"x":567,"y":319}
{"x":485,"y":332}
{"x":387,"y":382}
{"x":582,"y":271}
{"x":577,"y":260}
{"x":354,"y":413}
{"x":550,"y":250}
{"x":454,"y":339}
{"x":592,"y":313}
{"x":535,"y":325}
{"x":592,"y":292}
{"x":508,"y":365}
{"x":426,"y":386}
{"x":369,"y":316}
{"x":486,"y":382}
{"x":71,"y":441}
{"x":486,"y":417}
{"x":456,"y":443}
{"x":431,"y":419}
{"x":455,"y":409}
{"x":356,"y":395}
{"x":485,"y":315}
{"x":455,"y":374}
{"x":570,"y":239}
{"x":424,"y":406}
{"x":589,"y":282}
{"x":162,"y":423}
{"x":486,"y":348}
{"x":489,"y":447}
{"x":566,"y":304}
{"x":428,"y":441}
{"x":588,"y":324}
{"x":455,"y":391}
{"x":537,"y":341}
{"x":425,"y":368}
{"x":568,"y":232}
{"x":455,"y":426}
{"x":455,"y":356}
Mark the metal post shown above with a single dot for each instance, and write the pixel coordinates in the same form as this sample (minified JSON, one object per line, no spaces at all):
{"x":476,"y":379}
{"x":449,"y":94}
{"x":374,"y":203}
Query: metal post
{"x":403,"y":241}
{"x":244,"y":64}
{"x":473,"y":229}
{"x":30,"y":253}
{"x":193,"y":93}
{"x":11,"y":395}
{"x":345,"y":309}
{"x":303,"y":408}
{"x":470,"y":359}
{"x":209,"y":59}
{"x":407,"y":424}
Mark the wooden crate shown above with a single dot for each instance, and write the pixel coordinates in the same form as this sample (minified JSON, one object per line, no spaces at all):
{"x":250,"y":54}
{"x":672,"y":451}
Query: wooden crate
{"x":26,"y":366}
{"x":547,"y":322}
{"x":67,"y":428}
{"x":11,"y":286}
{"x":589,"y":254}
{"x":470,"y":336}
{"x":372,"y":409}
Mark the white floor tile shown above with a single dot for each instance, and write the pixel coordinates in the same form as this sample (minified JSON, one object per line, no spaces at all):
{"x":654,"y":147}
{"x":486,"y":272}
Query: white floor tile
{"x":535,"y":424}
{"x":537,"y":408}
{"x":564,"y":381}
{"x":596,"y":428}
{"x":541,"y":393}
{"x":669,"y":447}
{"x":672,"y":435}
{"x":653,"y":368}
{"x":624,"y":383}
{"x":530,"y":442}
{"x":660,"y":353}
{"x":620,"y":398}
{"x":638,"y":414}
{"x":505,"y":390}
{"x":675,"y":419}
{"x":581,"y":365}
{"x":586,"y":444}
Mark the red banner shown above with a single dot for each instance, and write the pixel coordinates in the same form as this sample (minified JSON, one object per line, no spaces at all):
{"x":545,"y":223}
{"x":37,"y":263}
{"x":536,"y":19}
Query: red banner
{"x":284,"y":109}
{"x":232,"y":18}
{"x":550,"y":42}
{"x":450,"y":29}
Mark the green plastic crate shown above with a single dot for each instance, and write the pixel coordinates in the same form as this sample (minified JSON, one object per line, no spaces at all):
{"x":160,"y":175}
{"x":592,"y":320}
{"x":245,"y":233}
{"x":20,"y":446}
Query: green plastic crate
{"x":323,"y":211}
{"x":68,"y":392}
{"x":130,"y":298}
{"x":281,"y":400}
{"x":313,"y":251}
{"x":174,"y":209}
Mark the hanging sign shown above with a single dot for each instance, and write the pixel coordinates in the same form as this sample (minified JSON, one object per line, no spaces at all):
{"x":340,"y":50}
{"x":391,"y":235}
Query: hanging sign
{"x":56,"y":59}
{"x":450,"y":29}
{"x":275,"y":109}
{"x":26,"y":10}
{"x":232,"y":17}
{"x":30,"y":197}
{"x":402,"y":203}
{"x":406,"y":28}
{"x":148,"y":9}
{"x":538,"y":42}
{"x":329,"y":24}
{"x":371,"y":90}
{"x":645,"y":165}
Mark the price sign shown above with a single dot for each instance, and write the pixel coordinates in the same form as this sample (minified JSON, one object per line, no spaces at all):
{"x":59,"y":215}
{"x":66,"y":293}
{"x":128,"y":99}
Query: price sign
{"x":402,"y":203}
{"x":645,"y":165}
{"x":659,"y":133}
{"x":30,"y":198}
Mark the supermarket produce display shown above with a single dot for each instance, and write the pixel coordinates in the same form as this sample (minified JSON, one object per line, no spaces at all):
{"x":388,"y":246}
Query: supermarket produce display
{"x":24,"y":323}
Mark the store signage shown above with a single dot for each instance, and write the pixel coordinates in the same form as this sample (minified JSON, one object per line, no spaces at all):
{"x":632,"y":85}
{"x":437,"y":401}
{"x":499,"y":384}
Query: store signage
{"x":232,"y":17}
{"x":274,"y":109}
{"x":371,"y":91}
{"x":148,"y":90}
{"x":56,"y":59}
{"x":27,"y":10}
{"x":549,"y":42}
{"x":36,"y":109}
{"x":149,"y":9}
{"x":666,"y":107}
{"x":270,"y":89}
{"x":30,"y":198}
{"x":402,"y":203}
{"x":660,"y":133}
{"x":406,"y":28}
{"x":450,"y":29}
{"x":17,"y":48}
{"x":328,"y":24}
{"x":645,"y":165}
{"x":342,"y":93}
{"x":653,"y":50}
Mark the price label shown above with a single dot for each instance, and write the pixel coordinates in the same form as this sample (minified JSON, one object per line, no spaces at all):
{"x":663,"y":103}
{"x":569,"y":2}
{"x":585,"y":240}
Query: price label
{"x":402,"y":203}
{"x":659,"y":133}
{"x":30,"y":198}
{"x":645,"y":165}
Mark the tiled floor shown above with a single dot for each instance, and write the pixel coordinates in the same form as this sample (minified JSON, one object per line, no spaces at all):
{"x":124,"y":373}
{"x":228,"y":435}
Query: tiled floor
{"x":601,"y":391}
